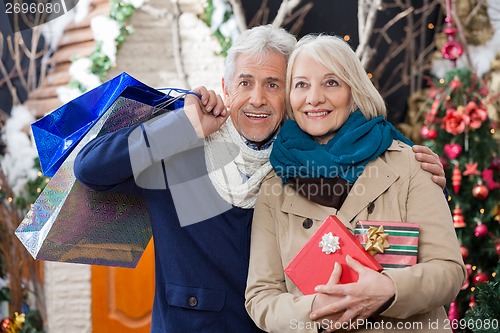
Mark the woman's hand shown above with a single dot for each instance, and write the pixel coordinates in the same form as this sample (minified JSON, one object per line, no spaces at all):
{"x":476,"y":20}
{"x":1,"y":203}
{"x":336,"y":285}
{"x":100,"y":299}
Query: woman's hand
{"x":323,"y":300}
{"x":348,"y":303}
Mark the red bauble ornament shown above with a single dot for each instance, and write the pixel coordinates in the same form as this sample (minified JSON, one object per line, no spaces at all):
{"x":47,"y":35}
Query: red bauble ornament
{"x":458,"y":218}
{"x":480,"y":192}
{"x":444,"y":162}
{"x":453,"y":314}
{"x":480,"y":277}
{"x":6,"y":325}
{"x":465,"y":285}
{"x":456,"y":178}
{"x":428,"y":133}
{"x":481,"y":230}
{"x":452,"y":150}
{"x":452,"y":50}
{"x":464,"y":251}
{"x":472,"y":303}
{"x":468,"y":268}
{"x":497,"y":247}
{"x":495,"y":164}
{"x":483,"y":91}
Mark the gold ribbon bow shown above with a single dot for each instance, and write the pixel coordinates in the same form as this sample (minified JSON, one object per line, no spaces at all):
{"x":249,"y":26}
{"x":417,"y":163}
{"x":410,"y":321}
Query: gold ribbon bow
{"x":377,"y":240}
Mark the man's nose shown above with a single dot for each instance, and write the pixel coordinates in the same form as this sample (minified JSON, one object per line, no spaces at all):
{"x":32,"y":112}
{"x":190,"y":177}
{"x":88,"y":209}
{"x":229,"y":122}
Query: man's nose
{"x":258,"y":97}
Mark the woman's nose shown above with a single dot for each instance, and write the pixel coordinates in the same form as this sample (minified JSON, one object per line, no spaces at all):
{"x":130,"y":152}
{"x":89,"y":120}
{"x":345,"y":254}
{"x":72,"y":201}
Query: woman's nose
{"x":315,"y":96}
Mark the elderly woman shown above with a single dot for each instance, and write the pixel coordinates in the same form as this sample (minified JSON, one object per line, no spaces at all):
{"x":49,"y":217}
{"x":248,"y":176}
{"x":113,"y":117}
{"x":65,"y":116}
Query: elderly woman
{"x":354,"y":165}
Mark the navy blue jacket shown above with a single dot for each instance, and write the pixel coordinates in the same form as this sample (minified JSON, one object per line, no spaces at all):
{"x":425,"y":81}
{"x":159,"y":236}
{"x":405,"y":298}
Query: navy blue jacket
{"x":200,"y":268}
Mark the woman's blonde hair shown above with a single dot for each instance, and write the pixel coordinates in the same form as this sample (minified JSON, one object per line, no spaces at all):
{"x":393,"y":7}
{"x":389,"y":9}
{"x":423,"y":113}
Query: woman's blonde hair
{"x":336,"y":55}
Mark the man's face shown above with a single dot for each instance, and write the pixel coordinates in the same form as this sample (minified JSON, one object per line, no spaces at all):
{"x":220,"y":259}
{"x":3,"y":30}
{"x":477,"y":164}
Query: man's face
{"x":256,"y":96}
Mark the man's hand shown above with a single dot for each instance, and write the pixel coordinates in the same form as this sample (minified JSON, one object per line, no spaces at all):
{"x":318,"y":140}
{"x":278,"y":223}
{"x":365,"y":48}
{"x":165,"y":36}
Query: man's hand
{"x":430,"y":163}
{"x":206,"y":114}
{"x":353,"y":301}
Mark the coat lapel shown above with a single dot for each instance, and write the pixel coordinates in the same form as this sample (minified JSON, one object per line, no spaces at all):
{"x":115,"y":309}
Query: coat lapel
{"x":296,"y":204}
{"x":377,"y":177}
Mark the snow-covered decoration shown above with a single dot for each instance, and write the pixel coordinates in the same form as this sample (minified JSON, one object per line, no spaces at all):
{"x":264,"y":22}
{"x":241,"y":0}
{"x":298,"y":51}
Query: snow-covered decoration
{"x":135,"y":3}
{"x":53,"y":30}
{"x":221,"y":7}
{"x":106,"y":31}
{"x":220,"y":17}
{"x":66,"y":94}
{"x":229,"y":29}
{"x":18,"y":164}
{"x":81,"y":71}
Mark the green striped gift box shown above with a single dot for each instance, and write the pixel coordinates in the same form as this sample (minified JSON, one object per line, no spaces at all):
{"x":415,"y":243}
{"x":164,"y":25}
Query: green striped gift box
{"x":403,"y":242}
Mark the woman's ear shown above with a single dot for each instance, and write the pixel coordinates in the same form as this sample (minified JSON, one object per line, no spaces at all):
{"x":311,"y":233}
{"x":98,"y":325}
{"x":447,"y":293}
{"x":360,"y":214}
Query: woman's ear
{"x":354,"y":107}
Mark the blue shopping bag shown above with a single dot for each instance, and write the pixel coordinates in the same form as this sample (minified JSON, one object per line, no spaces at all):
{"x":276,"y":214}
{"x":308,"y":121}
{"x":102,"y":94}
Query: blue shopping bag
{"x":69,"y":222}
{"x":58,"y":133}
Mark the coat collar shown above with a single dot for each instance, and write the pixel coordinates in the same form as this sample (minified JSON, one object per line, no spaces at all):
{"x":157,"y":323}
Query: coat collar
{"x":377,"y":177}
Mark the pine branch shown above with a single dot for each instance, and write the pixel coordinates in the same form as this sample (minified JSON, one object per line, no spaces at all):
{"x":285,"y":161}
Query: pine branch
{"x":487,"y":309}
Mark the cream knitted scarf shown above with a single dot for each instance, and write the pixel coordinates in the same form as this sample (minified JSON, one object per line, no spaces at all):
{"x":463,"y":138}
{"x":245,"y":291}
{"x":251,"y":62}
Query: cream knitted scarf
{"x":236,"y":170}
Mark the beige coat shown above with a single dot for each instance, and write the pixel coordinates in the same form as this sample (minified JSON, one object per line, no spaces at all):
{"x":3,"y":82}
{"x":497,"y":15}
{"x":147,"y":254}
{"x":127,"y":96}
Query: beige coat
{"x":400,"y":191}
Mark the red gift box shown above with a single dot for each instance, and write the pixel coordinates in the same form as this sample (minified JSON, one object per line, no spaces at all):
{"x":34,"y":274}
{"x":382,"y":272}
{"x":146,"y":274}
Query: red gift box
{"x":314,"y":263}
{"x":402,"y":242}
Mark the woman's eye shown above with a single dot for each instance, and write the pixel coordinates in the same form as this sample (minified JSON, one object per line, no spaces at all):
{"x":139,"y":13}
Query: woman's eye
{"x":300,"y":85}
{"x":331,"y":83}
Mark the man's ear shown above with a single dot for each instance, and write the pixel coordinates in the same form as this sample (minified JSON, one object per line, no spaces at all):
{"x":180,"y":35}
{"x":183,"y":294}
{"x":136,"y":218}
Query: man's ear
{"x":227,"y":96}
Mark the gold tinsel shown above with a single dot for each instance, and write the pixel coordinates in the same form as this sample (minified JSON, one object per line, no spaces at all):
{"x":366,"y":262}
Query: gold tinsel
{"x":413,"y":122}
{"x":494,"y":89}
{"x":475,"y":21}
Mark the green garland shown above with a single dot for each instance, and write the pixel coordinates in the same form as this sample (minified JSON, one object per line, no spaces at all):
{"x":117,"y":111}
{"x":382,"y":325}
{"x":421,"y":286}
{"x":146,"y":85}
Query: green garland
{"x":101,"y":63}
{"x":487,"y":309}
{"x":224,"y":42}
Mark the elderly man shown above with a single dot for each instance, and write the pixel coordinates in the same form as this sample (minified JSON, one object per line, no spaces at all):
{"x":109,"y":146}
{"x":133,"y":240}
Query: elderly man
{"x":199,"y":176}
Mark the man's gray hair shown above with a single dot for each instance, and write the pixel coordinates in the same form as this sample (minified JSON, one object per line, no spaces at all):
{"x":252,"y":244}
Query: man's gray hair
{"x":258,"y":41}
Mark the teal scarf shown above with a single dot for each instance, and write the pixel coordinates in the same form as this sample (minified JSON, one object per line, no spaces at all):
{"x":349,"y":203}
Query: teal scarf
{"x":357,"y":142}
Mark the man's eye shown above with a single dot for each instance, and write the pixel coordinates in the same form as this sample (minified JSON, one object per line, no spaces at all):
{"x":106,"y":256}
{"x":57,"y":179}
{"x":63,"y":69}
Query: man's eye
{"x":244,"y":84}
{"x":273,"y":85}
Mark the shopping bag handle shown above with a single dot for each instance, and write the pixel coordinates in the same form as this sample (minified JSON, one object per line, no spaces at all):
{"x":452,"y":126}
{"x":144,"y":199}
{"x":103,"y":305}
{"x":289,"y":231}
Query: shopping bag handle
{"x":180,"y":91}
{"x":172,"y":99}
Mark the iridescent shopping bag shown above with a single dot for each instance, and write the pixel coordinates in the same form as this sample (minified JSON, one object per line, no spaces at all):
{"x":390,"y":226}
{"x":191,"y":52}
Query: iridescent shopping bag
{"x":58,"y":133}
{"x":71,"y":223}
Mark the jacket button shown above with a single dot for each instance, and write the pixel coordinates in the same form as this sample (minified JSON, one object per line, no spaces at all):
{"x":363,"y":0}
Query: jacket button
{"x":371,"y":207}
{"x":307,"y":223}
{"x":192,"y":301}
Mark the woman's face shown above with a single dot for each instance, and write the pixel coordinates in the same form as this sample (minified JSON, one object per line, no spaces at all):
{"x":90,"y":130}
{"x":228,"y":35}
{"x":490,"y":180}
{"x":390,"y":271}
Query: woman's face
{"x":320,"y":101}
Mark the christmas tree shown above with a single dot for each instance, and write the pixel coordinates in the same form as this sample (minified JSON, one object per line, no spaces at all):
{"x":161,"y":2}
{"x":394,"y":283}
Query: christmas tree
{"x":458,"y":129}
